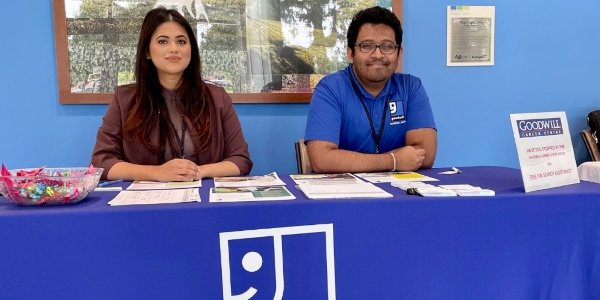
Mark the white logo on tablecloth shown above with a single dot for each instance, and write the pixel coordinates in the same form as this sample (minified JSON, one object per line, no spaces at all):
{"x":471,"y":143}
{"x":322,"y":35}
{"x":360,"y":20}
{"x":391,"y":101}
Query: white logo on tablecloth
{"x":253,"y":261}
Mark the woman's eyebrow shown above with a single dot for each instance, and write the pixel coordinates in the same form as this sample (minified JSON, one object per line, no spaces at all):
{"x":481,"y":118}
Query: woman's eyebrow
{"x":166,"y":37}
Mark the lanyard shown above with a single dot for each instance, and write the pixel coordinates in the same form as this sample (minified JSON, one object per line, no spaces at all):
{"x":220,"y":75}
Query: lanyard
{"x":376,"y":137}
{"x":180,"y":141}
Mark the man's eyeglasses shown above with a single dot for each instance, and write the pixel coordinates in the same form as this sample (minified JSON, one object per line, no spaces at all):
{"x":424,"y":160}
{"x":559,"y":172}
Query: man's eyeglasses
{"x":384,"y":48}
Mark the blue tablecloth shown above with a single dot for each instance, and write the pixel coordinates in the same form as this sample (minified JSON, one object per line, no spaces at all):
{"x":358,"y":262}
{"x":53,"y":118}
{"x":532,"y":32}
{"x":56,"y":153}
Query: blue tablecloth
{"x":540,"y":245}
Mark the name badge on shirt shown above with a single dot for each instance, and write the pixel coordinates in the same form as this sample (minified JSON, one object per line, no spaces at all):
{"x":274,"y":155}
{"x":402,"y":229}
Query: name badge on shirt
{"x":396,"y":112}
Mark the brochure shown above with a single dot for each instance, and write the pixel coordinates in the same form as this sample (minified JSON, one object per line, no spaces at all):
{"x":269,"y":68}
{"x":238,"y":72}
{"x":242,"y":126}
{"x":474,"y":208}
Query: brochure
{"x":325,"y":178}
{"x":343,"y":191}
{"x":247,"y":181}
{"x":244,"y":194}
{"x":394,"y":177}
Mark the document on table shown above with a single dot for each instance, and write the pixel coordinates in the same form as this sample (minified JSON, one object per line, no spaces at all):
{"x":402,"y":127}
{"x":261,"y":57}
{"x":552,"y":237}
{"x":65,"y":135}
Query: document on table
{"x":156,"y":197}
{"x":245,"y":194}
{"x":154,"y":185}
{"x":411,"y":184}
{"x":468,"y":190}
{"x":342,"y":191}
{"x":249,"y":181}
{"x":435,"y":191}
{"x":325,"y":178}
{"x":394,"y":177}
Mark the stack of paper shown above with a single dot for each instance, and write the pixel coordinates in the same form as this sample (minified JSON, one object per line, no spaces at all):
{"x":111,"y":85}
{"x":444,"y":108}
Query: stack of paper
{"x":324,"y":178}
{"x":357,"y":189}
{"x":468,"y":190}
{"x":264,"y":180}
{"x":249,"y":188}
{"x":435,"y":191}
{"x":411,"y":184}
{"x":156,"y":197}
{"x":394,"y":177}
{"x":153,"y":185}
{"x":244,"y":194}
{"x":428,"y":190}
{"x":423,"y":189}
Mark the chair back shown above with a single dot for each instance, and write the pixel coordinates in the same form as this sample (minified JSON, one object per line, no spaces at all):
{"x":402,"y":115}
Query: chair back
{"x":302,"y":160}
{"x":590,"y":144}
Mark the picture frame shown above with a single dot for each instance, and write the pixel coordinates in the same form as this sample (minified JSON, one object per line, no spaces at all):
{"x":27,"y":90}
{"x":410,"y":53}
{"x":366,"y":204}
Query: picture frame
{"x":79,"y":83}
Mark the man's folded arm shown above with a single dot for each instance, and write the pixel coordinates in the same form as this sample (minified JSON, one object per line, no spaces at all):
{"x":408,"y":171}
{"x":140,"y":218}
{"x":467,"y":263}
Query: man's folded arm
{"x":426,"y":139}
{"x":325,"y":157}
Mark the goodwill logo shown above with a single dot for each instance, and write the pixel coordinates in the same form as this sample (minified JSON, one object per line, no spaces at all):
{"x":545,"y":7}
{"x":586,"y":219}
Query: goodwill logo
{"x":539,"y":127}
{"x":252,"y":263}
{"x":396,"y":112}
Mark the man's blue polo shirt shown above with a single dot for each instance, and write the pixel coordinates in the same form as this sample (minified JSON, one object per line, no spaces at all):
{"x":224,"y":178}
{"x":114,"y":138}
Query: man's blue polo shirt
{"x":337,"y":115}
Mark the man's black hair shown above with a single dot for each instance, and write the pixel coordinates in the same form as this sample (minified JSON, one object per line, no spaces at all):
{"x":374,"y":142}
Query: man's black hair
{"x":373,"y":15}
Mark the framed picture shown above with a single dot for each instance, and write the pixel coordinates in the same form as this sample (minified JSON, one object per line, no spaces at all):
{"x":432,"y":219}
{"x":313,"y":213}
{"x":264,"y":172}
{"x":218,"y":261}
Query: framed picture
{"x":260,"y":51}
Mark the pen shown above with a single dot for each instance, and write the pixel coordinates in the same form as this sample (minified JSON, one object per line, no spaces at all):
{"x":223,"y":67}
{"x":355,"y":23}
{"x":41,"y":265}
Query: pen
{"x":456,"y":170}
{"x":102,"y":184}
{"x":108,"y":189}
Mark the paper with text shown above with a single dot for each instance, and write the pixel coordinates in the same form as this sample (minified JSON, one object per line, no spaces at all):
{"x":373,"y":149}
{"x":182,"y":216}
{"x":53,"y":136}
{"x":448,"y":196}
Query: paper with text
{"x":244,"y":194}
{"x":394,"y":177}
{"x":343,"y":191}
{"x":154,"y":185}
{"x":324,"y":178}
{"x":156,"y":197}
{"x":246,"y":181}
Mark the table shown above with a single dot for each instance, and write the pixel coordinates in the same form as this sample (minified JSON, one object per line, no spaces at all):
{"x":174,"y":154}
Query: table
{"x":539,"y":245}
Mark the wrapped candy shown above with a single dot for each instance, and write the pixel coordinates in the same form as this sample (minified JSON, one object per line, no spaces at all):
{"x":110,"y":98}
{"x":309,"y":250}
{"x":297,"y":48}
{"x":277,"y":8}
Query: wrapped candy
{"x":47,"y":186}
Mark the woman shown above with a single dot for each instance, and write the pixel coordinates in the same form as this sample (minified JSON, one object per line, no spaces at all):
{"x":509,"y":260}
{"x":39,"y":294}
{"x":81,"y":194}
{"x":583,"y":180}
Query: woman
{"x":170,"y":125}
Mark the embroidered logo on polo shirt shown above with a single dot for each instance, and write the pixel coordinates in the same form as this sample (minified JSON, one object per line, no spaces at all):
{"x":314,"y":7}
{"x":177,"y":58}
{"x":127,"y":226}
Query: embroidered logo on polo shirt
{"x":396,"y":112}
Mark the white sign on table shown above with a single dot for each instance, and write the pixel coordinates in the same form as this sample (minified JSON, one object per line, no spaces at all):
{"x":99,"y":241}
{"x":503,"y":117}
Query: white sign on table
{"x":545,"y":150}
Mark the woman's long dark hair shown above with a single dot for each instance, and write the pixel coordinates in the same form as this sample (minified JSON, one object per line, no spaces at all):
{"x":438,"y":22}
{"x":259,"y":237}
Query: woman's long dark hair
{"x":149,"y":110}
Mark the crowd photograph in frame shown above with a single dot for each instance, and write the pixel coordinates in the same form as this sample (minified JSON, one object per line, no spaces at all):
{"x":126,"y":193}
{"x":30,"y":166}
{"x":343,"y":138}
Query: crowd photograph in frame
{"x":259,"y":51}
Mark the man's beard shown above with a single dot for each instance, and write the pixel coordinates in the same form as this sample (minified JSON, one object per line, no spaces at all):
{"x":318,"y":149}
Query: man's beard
{"x":375,"y":76}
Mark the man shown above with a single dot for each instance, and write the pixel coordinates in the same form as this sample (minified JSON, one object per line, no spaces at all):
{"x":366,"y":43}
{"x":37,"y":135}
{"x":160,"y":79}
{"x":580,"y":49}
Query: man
{"x":366,"y":118}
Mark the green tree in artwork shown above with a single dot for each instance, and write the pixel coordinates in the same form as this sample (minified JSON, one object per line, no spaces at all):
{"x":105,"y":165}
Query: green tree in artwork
{"x":102,"y":40}
{"x":222,"y":44}
{"x":329,"y":21}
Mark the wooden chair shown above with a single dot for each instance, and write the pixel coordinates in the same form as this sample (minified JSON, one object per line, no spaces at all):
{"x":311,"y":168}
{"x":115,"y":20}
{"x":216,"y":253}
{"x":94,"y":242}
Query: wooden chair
{"x":302,"y":160}
{"x":590,"y":143}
